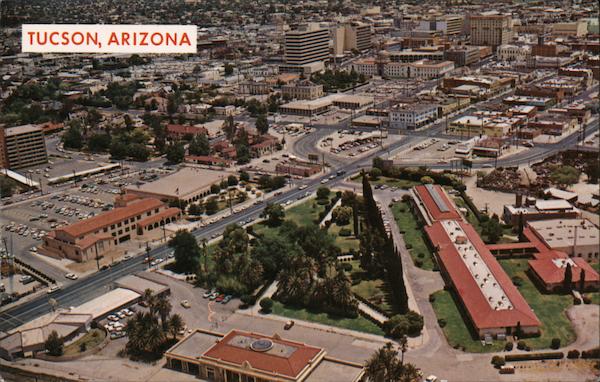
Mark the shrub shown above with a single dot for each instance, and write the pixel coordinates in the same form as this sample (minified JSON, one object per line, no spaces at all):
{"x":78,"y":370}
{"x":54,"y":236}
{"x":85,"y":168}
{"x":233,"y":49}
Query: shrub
{"x":408,"y":246}
{"x":534,"y":356}
{"x":82,"y":347}
{"x":347,"y":267}
{"x":592,"y":353}
{"x":521,"y":345}
{"x":587,"y":300}
{"x":421,"y":255}
{"x":555,"y":343}
{"x":94,"y":324}
{"x":441,"y":322}
{"x":345,"y":232}
{"x":431,"y":298}
{"x":266,"y":304}
{"x":576,"y":301}
{"x":517,"y":281}
{"x":498,"y":361}
{"x":248,"y":299}
{"x":418,"y":263}
{"x":508,"y":346}
{"x":573,"y":354}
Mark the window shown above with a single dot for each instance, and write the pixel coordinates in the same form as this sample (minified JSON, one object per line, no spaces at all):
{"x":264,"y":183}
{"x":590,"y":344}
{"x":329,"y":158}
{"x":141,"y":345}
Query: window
{"x":105,"y":229}
{"x":118,"y":225}
{"x":112,"y":226}
{"x":210,"y":373}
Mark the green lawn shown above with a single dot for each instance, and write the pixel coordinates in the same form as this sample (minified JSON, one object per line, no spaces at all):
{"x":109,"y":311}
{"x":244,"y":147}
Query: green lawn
{"x":549,"y":308}
{"x":456,"y":330}
{"x":306,"y":212}
{"x":345,"y":243}
{"x":391,"y":182}
{"x":360,"y":323}
{"x":92,"y":339}
{"x":413,"y":235}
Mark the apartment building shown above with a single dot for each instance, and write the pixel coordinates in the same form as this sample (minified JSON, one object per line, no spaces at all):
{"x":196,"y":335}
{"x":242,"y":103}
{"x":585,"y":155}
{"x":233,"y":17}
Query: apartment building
{"x":570,"y":29}
{"x":491,"y":29}
{"x":426,"y":69}
{"x":90,"y":238}
{"x":449,"y":25}
{"x":306,"y":45}
{"x":22,"y":146}
{"x":412,"y":116}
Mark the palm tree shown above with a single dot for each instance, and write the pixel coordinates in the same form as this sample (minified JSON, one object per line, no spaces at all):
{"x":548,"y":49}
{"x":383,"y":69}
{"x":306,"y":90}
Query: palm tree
{"x":383,"y":365}
{"x":403,"y":348}
{"x":175,"y":324}
{"x":147,"y":296}
{"x":154,"y":338}
{"x":163,"y":307}
{"x":409,"y":373}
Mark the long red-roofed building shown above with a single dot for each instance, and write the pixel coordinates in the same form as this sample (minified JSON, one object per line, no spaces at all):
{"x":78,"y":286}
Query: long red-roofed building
{"x":492,"y":303}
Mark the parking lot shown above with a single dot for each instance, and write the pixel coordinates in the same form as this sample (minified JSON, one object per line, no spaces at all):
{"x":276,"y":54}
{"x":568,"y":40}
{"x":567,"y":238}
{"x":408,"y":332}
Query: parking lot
{"x":353,"y":143}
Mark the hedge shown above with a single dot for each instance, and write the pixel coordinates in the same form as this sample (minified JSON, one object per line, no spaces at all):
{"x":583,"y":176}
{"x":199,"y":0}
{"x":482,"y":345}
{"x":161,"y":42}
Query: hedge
{"x":534,"y":356}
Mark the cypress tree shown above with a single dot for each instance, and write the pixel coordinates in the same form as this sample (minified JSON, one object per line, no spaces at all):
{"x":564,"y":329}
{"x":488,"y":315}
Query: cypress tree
{"x":568,"y":280}
{"x":582,"y":281}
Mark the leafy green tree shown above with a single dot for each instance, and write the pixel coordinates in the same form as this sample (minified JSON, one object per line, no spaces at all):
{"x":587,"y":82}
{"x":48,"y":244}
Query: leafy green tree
{"x":274,"y":214}
{"x":139,"y":152}
{"x":244,"y":176}
{"x":341,"y":215}
{"x":73,"y":138}
{"x":266,"y":304}
{"x":99,"y":142}
{"x":118,"y":149}
{"x":323,"y":192}
{"x":175,"y":153}
{"x":375,"y":173}
{"x":564,"y":176}
{"x":212,"y":205}
{"x":176,"y":324}
{"x":384,"y":366}
{"x":199,"y":145}
{"x":262,"y":124}
{"x":492,"y":229}
{"x":232,"y":180}
{"x":242,"y":153}
{"x":54,"y":344}
{"x":195,"y":209}
{"x":187,"y":251}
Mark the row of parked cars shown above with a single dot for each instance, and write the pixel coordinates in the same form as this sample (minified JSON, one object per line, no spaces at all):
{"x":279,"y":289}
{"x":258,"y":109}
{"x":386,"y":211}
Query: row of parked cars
{"x":215,"y":296}
{"x":115,"y":328}
{"x":25,"y":230}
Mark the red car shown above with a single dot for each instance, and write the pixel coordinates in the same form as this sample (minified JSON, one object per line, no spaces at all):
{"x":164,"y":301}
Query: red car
{"x":220,"y":298}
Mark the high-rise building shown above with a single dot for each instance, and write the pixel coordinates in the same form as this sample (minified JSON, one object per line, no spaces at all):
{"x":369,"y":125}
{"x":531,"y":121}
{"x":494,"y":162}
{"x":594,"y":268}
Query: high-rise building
{"x":449,"y":25}
{"x":306,"y":45}
{"x":22,"y":146}
{"x":491,"y":29}
{"x":350,"y":36}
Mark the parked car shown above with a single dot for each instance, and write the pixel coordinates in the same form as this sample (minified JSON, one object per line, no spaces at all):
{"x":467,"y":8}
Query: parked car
{"x":288,"y":325}
{"x":53,"y":289}
{"x":227,"y":299}
{"x":220,"y":298}
{"x":213,"y":296}
{"x":208,"y":293}
{"x":71,"y":276}
{"x":186,"y":304}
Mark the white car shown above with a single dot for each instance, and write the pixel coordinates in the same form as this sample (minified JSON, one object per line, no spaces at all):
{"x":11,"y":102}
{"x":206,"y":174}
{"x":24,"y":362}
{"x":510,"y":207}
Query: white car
{"x":71,"y":276}
{"x":53,"y":289}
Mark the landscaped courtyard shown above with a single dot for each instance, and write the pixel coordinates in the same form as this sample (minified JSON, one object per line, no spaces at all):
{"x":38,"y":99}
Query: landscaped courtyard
{"x":413,"y":236}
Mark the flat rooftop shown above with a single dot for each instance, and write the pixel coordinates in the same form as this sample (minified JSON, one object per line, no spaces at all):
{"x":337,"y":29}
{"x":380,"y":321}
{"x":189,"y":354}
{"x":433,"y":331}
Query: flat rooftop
{"x":179,"y":184}
{"x":560,"y":233}
{"x":106,"y":303}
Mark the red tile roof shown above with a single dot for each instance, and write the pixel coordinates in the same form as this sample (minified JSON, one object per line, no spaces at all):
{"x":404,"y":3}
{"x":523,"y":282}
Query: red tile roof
{"x":547,"y":270}
{"x":480,"y":311}
{"x":167,"y":213}
{"x":114,"y":216}
{"x":185,"y":129}
{"x":431,"y":206}
{"x":290,"y":365}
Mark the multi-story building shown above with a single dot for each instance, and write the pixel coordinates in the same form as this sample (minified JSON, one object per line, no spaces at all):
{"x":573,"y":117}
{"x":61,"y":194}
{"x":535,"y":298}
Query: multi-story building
{"x":570,"y":29}
{"x":306,"y":45}
{"x":91,"y":238}
{"x":491,"y":29}
{"x":302,"y":90}
{"x":532,"y":209}
{"x":449,"y":25}
{"x":575,"y":237}
{"x":22,"y":146}
{"x":429,"y":69}
{"x":350,"y":36}
{"x":412,"y":116}
{"x":410,"y":55}
{"x":511,"y":52}
{"x":462,"y":55}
